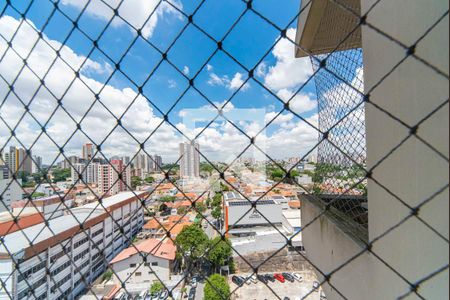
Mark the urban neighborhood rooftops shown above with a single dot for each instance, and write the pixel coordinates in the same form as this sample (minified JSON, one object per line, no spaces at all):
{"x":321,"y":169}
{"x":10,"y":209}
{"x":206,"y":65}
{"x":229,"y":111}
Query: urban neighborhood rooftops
{"x":62,"y":227}
{"x":165,"y":250}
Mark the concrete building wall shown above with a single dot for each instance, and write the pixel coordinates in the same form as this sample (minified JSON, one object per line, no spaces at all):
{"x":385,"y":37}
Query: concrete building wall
{"x":414,"y":172}
{"x":133,"y":270}
{"x":9,"y":193}
{"x":84,"y":249}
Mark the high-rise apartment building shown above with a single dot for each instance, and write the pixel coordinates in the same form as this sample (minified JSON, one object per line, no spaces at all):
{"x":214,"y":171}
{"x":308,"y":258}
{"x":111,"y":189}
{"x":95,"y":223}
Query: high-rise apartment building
{"x":88,"y":172}
{"x":113,"y":178}
{"x":157,"y":163}
{"x":37,"y":164}
{"x":71,"y":160}
{"x":190,"y":160}
{"x":88,"y":151}
{"x":18,"y":160}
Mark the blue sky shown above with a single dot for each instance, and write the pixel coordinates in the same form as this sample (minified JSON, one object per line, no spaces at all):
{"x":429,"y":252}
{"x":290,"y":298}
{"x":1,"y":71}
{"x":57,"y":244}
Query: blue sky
{"x":249,"y":42}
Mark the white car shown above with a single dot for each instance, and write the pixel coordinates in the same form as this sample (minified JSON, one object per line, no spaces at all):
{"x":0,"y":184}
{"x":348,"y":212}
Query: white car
{"x":254,"y":278}
{"x":298,"y":277}
{"x":248,"y":279}
{"x":316,"y":286}
{"x":194,"y":282}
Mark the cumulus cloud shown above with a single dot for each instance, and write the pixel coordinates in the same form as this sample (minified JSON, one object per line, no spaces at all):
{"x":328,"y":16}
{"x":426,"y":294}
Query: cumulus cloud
{"x":140,"y":119}
{"x":298,"y":103}
{"x":232,"y":84}
{"x":186,"y":70}
{"x":219,"y":142}
{"x":289,"y":71}
{"x":135,"y":12}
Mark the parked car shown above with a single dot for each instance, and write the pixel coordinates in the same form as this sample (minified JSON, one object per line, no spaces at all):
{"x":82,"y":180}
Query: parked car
{"x":263,"y":279}
{"x":194,"y":282}
{"x":270,"y":277}
{"x":164,"y":295}
{"x":286,"y":298}
{"x":279,"y":277}
{"x":288,"y":277}
{"x":298,"y":277}
{"x":238,"y":280}
{"x":142,"y":295}
{"x":155,"y":296}
{"x":254,"y":278}
{"x":192,"y":294}
{"x":316,"y":286}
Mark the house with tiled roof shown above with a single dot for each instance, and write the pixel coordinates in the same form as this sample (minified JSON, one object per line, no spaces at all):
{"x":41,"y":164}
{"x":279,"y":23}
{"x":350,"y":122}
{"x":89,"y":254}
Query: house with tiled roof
{"x":130,"y":266}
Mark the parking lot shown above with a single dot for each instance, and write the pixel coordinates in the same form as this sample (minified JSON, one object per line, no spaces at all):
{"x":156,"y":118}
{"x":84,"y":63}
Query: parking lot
{"x":293,"y":290}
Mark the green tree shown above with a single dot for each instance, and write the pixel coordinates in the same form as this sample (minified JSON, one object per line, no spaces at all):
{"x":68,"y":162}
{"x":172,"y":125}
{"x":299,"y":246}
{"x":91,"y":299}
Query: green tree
{"x":37,"y":195}
{"x":192,"y":243}
{"x":149,"y":180}
{"x":136,"y":181}
{"x":201,"y":208}
{"x":277,"y":174}
{"x":217,"y":213}
{"x":216,"y":288}
{"x":167,"y":198}
{"x":220,"y":251}
{"x":207,"y":168}
{"x":156,"y":288}
{"x":107,"y":275}
{"x":60,"y":174}
{"x":181,"y":210}
{"x":217,"y":200}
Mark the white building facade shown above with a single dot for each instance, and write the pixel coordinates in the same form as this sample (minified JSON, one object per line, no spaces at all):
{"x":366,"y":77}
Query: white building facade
{"x":10,"y":190}
{"x":73,"y":255}
{"x":190,"y":160}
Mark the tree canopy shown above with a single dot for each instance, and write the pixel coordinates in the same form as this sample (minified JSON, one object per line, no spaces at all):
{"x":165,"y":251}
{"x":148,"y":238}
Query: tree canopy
{"x":60,"y":174}
{"x":192,"y":242}
{"x":156,"y":288}
{"x":216,"y":288}
{"x":220,"y":251}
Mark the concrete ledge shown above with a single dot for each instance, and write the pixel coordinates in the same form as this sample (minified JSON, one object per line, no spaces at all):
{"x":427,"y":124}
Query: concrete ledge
{"x":324,"y":24}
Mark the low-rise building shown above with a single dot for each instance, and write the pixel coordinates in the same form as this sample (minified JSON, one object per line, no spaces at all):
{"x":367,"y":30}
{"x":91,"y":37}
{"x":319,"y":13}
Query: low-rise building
{"x":129,"y":265}
{"x":10,"y":190}
{"x":74,"y":255}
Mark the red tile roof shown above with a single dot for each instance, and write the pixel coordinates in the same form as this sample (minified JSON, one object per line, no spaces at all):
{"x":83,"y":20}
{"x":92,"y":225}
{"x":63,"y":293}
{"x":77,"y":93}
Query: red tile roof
{"x":23,"y":222}
{"x":151,"y":246}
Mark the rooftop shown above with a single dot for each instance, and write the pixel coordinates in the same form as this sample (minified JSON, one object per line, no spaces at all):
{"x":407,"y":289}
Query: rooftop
{"x":165,"y":250}
{"x":17,"y":242}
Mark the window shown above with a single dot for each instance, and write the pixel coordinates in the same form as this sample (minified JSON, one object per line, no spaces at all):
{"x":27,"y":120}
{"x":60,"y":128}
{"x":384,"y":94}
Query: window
{"x":154,"y":264}
{"x":133,"y":266}
{"x":138,"y":274}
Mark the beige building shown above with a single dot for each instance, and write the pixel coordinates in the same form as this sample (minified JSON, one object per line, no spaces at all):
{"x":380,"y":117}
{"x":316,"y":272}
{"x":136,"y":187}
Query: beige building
{"x":129,"y":265}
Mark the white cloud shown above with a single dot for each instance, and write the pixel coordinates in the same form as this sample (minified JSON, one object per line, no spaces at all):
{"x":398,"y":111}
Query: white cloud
{"x":290,"y":138}
{"x":216,"y":80}
{"x":300,"y":103}
{"x":172,"y":83}
{"x":233,"y":84}
{"x":186,"y":70}
{"x":261,"y":70}
{"x":135,"y":12}
{"x":280,"y":120}
{"x":140,"y":119}
{"x":237,"y":82}
{"x":209,"y":67}
{"x":288,"y":72}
